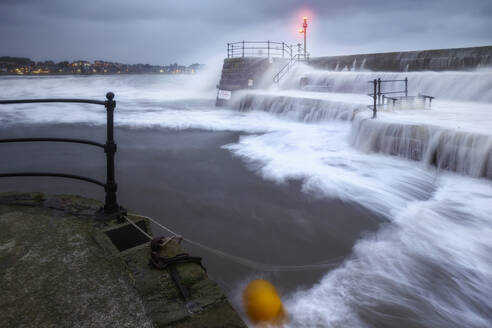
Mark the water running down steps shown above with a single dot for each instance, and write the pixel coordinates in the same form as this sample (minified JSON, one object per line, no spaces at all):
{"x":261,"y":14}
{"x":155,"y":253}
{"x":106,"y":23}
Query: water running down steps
{"x":452,"y":135}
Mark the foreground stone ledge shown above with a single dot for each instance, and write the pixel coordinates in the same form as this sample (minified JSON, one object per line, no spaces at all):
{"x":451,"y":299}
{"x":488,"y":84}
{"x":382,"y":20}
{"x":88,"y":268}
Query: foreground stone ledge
{"x":59,"y":268}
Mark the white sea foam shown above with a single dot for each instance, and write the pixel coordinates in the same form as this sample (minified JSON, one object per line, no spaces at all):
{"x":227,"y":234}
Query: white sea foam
{"x":464,"y":86}
{"x":428,"y":266}
{"x":321,"y":156}
{"x":465,"y":152}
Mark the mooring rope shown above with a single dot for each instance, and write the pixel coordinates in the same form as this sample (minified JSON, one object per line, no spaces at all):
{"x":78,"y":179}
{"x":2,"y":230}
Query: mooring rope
{"x":237,"y":259}
{"x":136,"y":226}
{"x":149,"y":236}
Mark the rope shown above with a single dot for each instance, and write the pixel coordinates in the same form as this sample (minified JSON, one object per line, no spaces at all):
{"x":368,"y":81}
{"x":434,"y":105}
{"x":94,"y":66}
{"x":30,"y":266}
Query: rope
{"x":136,"y":226}
{"x":241,"y":260}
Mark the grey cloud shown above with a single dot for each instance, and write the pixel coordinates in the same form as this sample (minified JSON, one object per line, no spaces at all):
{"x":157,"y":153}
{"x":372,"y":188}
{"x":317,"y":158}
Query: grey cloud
{"x":163,"y":31}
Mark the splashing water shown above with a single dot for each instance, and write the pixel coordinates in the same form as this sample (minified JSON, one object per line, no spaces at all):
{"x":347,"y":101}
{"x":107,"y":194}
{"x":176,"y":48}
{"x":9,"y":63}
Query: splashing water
{"x":428,"y":265}
{"x":465,"y":86}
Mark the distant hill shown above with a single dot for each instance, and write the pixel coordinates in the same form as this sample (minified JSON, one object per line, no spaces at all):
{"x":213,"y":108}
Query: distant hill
{"x":16,"y":60}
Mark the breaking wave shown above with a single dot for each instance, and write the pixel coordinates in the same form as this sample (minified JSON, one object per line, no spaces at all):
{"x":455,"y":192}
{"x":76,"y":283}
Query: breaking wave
{"x":428,"y":265}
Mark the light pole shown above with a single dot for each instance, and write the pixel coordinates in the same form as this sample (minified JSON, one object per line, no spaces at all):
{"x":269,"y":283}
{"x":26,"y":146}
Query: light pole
{"x":304,"y":31}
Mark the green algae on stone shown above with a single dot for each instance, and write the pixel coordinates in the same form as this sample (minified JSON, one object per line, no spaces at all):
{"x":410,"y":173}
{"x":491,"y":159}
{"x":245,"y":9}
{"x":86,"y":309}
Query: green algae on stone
{"x":59,"y":268}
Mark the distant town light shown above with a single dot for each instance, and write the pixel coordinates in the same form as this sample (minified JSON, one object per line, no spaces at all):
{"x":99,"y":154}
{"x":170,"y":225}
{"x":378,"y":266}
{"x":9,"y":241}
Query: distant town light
{"x":18,"y":66}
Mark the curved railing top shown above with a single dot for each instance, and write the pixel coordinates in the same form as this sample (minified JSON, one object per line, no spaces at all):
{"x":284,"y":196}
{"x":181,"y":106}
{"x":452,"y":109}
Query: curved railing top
{"x":265,"y":42}
{"x":111,"y":208}
{"x":262,"y":49}
{"x":109,"y":100}
{"x":53,"y":100}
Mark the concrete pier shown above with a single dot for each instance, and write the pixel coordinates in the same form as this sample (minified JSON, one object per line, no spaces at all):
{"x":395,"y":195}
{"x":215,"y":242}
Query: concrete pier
{"x":247,"y":73}
{"x":61,"y":268}
{"x":457,"y":59}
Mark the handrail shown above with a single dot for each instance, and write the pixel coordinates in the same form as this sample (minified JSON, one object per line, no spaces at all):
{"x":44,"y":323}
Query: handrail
{"x":256,"y":42}
{"x":254,"y":49}
{"x":385,"y":93}
{"x":81,"y":141}
{"x":403,"y":80}
{"x":286,"y":68}
{"x":49,"y":174}
{"x":111,"y":208}
{"x":390,"y":92}
{"x":377,"y":94}
{"x":28,"y":101}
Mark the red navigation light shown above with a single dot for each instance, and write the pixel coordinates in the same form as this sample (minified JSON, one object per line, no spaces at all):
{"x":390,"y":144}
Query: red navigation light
{"x":303,"y":30}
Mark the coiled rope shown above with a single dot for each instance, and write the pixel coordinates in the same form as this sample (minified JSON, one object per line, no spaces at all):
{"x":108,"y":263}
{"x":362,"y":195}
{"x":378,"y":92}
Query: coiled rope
{"x":237,"y":259}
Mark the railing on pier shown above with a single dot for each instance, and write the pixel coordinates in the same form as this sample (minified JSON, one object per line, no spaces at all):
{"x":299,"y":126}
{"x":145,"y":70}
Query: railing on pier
{"x":286,"y":69}
{"x":379,"y":96}
{"x":262,"y":49}
{"x":111,"y":208}
{"x":270,"y":49}
{"x":300,"y":56}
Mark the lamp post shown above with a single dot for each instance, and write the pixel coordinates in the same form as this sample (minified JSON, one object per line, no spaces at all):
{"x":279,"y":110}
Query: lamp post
{"x":304,"y":31}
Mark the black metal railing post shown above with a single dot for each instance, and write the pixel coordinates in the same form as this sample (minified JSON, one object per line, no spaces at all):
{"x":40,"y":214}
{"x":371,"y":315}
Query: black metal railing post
{"x":111,"y":205}
{"x":257,"y":48}
{"x":374,"y":109}
{"x":111,"y":209}
{"x":379,"y":90}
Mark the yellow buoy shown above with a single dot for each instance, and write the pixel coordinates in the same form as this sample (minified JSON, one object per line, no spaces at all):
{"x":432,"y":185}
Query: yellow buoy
{"x":262,"y":303}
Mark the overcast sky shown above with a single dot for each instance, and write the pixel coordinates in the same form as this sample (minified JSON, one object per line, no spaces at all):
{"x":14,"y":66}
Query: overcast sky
{"x":186,"y":31}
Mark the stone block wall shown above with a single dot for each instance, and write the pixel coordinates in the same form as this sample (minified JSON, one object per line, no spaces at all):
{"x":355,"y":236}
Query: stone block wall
{"x":457,"y":59}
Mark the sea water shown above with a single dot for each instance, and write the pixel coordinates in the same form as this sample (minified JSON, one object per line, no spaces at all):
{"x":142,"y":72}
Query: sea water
{"x":428,"y":264}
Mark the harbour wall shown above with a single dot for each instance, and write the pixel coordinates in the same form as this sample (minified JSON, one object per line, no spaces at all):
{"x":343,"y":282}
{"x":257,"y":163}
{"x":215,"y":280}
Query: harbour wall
{"x":247,"y":73}
{"x":257,"y":72}
{"x":457,"y":59}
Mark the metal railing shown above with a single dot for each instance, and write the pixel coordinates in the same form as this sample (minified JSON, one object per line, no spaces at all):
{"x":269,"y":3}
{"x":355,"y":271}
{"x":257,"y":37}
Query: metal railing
{"x":294,"y":53}
{"x":111,"y":208}
{"x":286,"y":69}
{"x":377,"y":94}
{"x":261,"y":49}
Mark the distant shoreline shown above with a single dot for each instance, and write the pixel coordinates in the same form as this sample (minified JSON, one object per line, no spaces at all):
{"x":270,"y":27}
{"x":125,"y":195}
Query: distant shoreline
{"x":25,"y":66}
{"x":91,"y":74}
